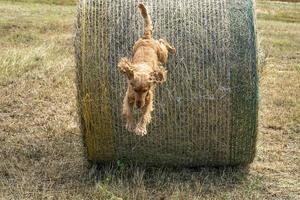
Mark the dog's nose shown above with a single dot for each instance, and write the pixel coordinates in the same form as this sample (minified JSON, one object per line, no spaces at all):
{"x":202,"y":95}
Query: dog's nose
{"x":138,"y":104}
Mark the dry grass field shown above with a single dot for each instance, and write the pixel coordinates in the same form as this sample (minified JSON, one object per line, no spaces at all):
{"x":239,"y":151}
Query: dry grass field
{"x":41,"y":154}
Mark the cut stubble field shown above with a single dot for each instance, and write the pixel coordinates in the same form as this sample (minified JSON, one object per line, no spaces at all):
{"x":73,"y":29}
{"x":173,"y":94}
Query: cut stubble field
{"x":41,"y":152}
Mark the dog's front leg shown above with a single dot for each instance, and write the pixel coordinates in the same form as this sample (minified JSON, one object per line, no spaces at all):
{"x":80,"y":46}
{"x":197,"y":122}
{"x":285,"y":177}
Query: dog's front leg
{"x":141,"y":127}
{"x":127,"y":112}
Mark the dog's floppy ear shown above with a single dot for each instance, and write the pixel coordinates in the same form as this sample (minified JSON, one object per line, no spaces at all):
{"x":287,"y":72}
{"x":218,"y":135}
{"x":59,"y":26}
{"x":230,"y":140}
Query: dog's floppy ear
{"x":158,"y":76}
{"x":124,"y":66}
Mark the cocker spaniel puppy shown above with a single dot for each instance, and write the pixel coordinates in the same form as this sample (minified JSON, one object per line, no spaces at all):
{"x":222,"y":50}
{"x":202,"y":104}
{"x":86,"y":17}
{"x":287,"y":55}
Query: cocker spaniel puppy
{"x":144,"y":71}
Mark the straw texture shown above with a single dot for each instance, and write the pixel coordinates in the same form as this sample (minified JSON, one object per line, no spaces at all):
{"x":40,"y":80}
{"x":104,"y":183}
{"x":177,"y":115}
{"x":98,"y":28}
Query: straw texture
{"x":206,"y":112}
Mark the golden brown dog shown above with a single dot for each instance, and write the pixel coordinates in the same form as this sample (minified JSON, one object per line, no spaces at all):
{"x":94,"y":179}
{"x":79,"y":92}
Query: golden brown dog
{"x":144,"y":71}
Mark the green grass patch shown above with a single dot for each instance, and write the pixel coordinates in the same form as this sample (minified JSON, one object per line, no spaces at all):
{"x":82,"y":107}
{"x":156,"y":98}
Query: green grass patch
{"x":277,"y":11}
{"x":297,"y":66}
{"x":27,"y":43}
{"x":56,"y":2}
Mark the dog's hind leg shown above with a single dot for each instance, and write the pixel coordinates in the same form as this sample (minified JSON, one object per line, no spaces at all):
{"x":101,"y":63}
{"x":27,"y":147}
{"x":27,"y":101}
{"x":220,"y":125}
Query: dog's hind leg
{"x":170,"y":48}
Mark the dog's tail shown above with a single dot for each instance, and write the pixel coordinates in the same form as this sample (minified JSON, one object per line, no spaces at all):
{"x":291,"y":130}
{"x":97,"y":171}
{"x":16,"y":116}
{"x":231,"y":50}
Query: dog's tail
{"x":148,"y":30}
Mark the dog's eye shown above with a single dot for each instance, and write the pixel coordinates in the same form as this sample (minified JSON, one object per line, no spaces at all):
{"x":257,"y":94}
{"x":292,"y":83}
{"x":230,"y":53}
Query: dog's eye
{"x":140,"y":91}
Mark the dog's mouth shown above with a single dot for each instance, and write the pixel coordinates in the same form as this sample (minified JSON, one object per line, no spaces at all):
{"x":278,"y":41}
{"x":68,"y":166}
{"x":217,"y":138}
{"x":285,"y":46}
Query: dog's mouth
{"x":141,"y":97}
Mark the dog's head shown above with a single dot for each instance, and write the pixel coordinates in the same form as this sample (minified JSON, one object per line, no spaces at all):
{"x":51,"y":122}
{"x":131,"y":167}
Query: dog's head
{"x":141,"y":82}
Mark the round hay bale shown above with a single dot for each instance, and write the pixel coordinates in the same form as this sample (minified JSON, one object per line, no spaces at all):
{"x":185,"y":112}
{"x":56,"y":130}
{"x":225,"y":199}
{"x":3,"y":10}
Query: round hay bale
{"x":206,"y":112}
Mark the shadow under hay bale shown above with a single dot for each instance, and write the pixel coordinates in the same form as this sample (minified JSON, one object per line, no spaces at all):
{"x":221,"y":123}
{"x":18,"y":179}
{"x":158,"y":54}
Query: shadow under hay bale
{"x":206,"y":112}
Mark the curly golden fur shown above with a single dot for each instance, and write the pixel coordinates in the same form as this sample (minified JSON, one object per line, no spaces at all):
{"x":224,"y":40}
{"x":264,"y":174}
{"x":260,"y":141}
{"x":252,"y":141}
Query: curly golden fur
{"x":144,"y":71}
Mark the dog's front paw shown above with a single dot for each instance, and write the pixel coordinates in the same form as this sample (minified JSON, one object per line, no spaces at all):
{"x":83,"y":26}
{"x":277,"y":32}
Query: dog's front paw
{"x":130,"y":126}
{"x":140,"y":130}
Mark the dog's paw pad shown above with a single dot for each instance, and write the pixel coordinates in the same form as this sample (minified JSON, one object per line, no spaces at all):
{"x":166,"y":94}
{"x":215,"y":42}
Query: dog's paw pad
{"x":130,"y":127}
{"x":139,"y":130}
